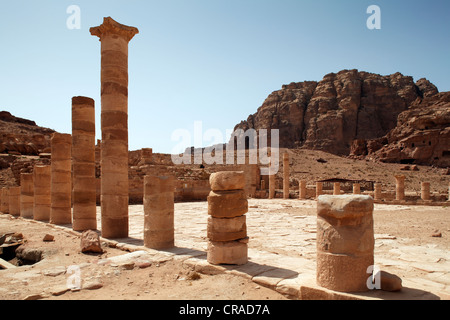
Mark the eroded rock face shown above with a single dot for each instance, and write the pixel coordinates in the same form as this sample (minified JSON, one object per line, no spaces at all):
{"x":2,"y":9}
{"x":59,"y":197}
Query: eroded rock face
{"x":329,"y":115}
{"x":422,"y":134}
{"x":22,"y":136}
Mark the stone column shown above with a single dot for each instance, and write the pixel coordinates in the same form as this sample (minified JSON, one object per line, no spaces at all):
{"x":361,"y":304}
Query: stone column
{"x":400,"y":187}
{"x":448,"y":192}
{"x":377,"y":191}
{"x":114,"y":39}
{"x":42,"y":193}
{"x":61,"y":179}
{"x":146,"y":156}
{"x":5,"y":201}
{"x":345,"y":242}
{"x":319,"y":189}
{"x":227,"y":229}
{"x":14,"y":201}
{"x":272,"y":179}
{"x":302,"y":190}
{"x":26,"y":195}
{"x":159,"y":232}
{"x":83,"y":164}
{"x":286,"y":175}
{"x":356,"y":188}
{"x":425,"y":191}
{"x":336,"y":188}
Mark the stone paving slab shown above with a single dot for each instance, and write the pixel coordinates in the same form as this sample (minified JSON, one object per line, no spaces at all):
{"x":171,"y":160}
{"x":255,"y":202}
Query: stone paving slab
{"x":282,"y":251}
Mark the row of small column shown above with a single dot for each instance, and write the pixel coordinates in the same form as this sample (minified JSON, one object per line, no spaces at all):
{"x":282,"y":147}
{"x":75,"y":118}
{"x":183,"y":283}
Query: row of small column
{"x":399,"y":186}
{"x":377,"y":193}
{"x":49,"y":192}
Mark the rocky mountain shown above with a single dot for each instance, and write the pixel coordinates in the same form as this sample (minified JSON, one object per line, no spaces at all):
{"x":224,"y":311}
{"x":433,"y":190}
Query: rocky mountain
{"x":343,"y":111}
{"x":422,"y":135}
{"x":22,"y":137}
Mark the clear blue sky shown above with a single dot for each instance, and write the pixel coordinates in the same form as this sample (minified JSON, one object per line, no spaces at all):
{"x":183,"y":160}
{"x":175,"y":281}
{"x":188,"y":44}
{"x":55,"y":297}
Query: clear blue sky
{"x":213,"y":61}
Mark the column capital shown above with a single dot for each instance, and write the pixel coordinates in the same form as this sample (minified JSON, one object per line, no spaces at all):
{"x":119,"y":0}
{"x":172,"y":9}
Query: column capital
{"x":110,"y":26}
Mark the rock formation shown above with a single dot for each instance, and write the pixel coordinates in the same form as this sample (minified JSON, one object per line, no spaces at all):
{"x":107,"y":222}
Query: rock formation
{"x":422,"y":134}
{"x":334,"y":114}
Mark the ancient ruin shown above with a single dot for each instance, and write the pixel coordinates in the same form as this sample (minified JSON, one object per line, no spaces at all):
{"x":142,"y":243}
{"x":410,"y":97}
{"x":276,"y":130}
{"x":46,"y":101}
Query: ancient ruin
{"x":351,"y":140}
{"x":83,"y":164}
{"x":400,"y":187}
{"x":159,"y":212}
{"x":14,"y":201}
{"x":26,"y":195}
{"x":345,"y":242}
{"x":42,"y":193}
{"x":114,"y":38}
{"x":61,"y":179}
{"x":286,"y":173}
{"x":227,"y":230}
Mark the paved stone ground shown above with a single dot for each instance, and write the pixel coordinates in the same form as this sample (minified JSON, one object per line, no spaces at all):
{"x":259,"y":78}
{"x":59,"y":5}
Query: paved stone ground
{"x":282,"y":250}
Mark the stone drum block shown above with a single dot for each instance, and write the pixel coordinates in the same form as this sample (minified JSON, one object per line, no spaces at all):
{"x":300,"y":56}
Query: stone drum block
{"x":159,"y":229}
{"x":345,"y":242}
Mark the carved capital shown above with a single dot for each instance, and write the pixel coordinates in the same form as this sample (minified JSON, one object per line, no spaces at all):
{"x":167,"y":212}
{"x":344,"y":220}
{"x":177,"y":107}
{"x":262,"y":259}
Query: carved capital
{"x":110,"y":26}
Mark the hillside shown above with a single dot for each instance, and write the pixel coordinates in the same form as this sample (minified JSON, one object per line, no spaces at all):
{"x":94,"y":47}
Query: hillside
{"x":347,"y":110}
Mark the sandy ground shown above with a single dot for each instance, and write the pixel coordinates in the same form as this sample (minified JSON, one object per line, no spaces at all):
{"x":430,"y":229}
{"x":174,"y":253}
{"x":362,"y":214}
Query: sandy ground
{"x":406,"y":244}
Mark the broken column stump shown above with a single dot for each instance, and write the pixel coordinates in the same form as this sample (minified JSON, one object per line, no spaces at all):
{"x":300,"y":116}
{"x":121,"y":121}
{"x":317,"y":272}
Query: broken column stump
{"x":159,"y":231}
{"x":83,"y":163}
{"x":4,"y":208}
{"x":14,"y":201}
{"x":286,"y":172}
{"x":42,"y":193}
{"x":26,"y":195}
{"x":345,"y":242}
{"x":302,"y":190}
{"x":227,"y":229}
{"x":61,"y":179}
{"x":377,"y":191}
{"x":400,"y":187}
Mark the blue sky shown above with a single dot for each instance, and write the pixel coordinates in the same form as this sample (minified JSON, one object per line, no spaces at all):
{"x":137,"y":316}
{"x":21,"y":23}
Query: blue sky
{"x":213,"y":61}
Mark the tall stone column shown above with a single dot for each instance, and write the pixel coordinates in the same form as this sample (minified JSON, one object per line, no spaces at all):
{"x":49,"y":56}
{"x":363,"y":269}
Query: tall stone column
{"x":61,"y":179}
{"x":83,"y":164}
{"x":302,"y":190}
{"x":42,"y":193}
{"x":159,"y":231}
{"x":345,"y":242}
{"x":26,"y":195}
{"x":356,"y":188}
{"x":425,"y":191}
{"x":377,"y":191}
{"x":286,"y":175}
{"x":319,"y":189}
{"x":14,"y":201}
{"x":114,"y":39}
{"x":400,"y":187}
{"x":336,"y":188}
{"x":5,"y":201}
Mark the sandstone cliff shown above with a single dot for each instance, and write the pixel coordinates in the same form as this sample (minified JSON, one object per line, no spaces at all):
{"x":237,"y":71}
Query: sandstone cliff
{"x":422,"y":134}
{"x":22,"y":137}
{"x":332,"y":114}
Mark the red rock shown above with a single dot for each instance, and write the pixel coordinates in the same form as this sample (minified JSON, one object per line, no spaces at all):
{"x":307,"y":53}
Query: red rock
{"x":90,"y":242}
{"x":48,"y":238}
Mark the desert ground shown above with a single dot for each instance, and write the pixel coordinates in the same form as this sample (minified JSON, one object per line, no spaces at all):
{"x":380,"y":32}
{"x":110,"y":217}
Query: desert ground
{"x":410,"y":241}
